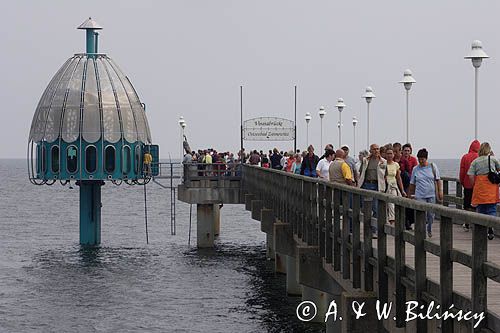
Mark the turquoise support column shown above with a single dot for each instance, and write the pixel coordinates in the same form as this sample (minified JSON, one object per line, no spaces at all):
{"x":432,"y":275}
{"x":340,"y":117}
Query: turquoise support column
{"x":91,"y":44}
{"x":90,"y":212}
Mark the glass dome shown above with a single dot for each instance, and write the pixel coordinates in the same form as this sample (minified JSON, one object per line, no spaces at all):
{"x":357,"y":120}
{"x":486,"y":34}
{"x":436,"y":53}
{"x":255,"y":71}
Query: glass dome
{"x":90,"y":98}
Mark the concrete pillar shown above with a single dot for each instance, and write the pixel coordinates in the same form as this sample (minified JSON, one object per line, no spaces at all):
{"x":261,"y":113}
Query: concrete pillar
{"x":333,"y":326}
{"x":279,"y":263}
{"x":270,"y":254}
{"x":248,"y":201}
{"x":320,"y":299}
{"x":367,"y":323}
{"x":217,"y":220}
{"x":256,"y":206}
{"x":205,"y":224}
{"x":292,"y":286}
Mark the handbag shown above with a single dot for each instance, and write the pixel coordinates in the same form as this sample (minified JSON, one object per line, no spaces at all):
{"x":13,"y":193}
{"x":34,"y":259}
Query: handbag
{"x":493,"y":176}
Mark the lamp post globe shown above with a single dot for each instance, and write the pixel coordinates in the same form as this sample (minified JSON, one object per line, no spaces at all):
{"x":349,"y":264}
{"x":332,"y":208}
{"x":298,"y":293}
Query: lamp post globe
{"x":407,"y":82}
{"x":182,"y":124}
{"x":340,"y":106}
{"x":321,"y":114}
{"x":354,"y":123}
{"x":368,"y":96}
{"x":476,"y":55}
{"x":308,"y":119}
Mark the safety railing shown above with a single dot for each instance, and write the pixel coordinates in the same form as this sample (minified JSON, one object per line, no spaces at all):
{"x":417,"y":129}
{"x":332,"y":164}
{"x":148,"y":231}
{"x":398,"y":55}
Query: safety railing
{"x":211,"y":171}
{"x":319,"y":213}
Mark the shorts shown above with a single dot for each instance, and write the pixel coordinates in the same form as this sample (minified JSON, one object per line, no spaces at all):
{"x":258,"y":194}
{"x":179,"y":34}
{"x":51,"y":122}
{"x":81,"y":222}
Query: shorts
{"x":468,"y":199}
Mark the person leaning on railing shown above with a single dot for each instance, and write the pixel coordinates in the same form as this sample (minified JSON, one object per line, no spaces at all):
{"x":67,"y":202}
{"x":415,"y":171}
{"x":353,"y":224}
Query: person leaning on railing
{"x":484,"y":192}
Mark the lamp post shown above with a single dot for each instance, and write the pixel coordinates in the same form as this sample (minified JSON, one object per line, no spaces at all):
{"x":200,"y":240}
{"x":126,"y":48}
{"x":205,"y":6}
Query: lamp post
{"x":182,"y":124}
{"x":354,"y":123}
{"x":308,"y":119}
{"x":407,"y":82}
{"x":340,"y":106}
{"x":321,"y":115}
{"x":368,"y":96}
{"x":477,"y":55}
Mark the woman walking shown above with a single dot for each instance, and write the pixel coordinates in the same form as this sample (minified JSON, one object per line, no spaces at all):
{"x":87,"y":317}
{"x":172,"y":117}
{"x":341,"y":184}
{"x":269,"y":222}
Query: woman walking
{"x":424,"y":184}
{"x":297,"y":164}
{"x":394,"y":183}
{"x":484,"y":192}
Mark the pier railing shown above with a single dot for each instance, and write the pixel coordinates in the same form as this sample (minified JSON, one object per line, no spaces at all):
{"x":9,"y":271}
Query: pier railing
{"x":319,"y":213}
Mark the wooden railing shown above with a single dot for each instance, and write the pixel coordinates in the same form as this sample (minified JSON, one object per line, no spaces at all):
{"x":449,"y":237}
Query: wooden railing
{"x":318,"y":217}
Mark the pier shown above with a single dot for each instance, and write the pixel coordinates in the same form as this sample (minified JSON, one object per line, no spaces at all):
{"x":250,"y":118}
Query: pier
{"x":308,"y":236}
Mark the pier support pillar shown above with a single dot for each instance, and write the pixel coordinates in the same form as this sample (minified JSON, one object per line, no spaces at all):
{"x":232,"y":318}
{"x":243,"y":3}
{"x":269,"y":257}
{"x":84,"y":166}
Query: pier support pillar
{"x":279,"y":263}
{"x":320,"y":299}
{"x":206,"y":215}
{"x":349,"y":322}
{"x":267,"y":225}
{"x":217,"y":220}
{"x":256,"y":206}
{"x":90,"y":212}
{"x":248,"y":201}
{"x":333,"y":326}
{"x":292,"y":286}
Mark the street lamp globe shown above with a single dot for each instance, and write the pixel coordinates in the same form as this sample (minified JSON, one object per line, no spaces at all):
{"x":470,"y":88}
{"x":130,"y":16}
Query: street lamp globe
{"x":340,"y":104}
{"x":369,"y":95}
{"x":408,"y":79}
{"x":181,"y":121}
{"x":354,"y":121}
{"x":477,"y":54}
{"x":308,"y":117}
{"x":321,"y":112}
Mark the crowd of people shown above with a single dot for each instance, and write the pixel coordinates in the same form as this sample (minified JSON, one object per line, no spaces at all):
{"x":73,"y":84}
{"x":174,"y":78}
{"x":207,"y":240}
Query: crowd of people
{"x":390,"y":168}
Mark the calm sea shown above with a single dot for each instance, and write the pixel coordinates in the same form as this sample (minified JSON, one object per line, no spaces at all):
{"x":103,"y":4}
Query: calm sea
{"x":49,"y":284}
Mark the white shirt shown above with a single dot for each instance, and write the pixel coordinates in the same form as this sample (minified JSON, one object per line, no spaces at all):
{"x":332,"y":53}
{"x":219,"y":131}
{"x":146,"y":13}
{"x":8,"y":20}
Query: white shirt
{"x":323,"y":168}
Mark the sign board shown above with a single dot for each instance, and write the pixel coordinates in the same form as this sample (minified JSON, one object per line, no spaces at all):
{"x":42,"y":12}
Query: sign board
{"x":268,"y":129}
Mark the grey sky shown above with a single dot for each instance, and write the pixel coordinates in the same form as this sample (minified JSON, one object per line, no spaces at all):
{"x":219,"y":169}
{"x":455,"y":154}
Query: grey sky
{"x":189,"y":58}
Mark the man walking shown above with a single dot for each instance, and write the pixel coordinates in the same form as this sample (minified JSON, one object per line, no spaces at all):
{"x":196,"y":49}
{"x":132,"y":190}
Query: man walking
{"x":465,"y":163}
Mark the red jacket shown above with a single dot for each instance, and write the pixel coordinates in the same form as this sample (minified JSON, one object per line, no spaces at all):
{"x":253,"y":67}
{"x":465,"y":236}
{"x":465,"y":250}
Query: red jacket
{"x":465,"y":163}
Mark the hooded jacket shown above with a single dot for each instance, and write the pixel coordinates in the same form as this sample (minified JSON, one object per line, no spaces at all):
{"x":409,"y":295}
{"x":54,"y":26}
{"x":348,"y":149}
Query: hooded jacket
{"x":465,"y":163}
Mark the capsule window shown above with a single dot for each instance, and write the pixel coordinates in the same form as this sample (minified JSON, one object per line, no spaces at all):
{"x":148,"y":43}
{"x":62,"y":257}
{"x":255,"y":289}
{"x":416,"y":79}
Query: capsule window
{"x":91,"y":159}
{"x":109,"y":159}
{"x":54,"y":159}
{"x":43,"y":164}
{"x":126,"y":160}
{"x":138,"y":160}
{"x":72,"y":159}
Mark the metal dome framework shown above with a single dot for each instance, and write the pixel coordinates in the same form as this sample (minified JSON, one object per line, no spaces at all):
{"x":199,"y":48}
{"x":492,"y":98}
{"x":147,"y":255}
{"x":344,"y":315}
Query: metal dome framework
{"x":88,"y":102}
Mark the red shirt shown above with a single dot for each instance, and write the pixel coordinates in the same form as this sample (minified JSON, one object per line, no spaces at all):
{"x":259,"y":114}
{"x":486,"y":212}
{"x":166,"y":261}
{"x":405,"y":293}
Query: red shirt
{"x":408,"y":164}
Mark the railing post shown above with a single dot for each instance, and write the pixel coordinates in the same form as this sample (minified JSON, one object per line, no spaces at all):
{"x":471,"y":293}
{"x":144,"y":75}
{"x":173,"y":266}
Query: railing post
{"x":356,"y":242}
{"x":446,"y":270}
{"x":399,"y":266}
{"x":346,"y":256}
{"x":336,"y":229}
{"x":321,"y":222}
{"x":328,"y":225}
{"x":381,"y":248}
{"x":367,"y":242}
{"x":459,"y":193}
{"x":445,"y":192}
{"x":479,"y":280}
{"x":420,"y":267}
{"x":314,"y":214}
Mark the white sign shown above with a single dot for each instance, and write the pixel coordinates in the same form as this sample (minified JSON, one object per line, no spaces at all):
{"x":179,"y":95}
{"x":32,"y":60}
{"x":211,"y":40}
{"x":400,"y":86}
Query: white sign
{"x":268,"y":129}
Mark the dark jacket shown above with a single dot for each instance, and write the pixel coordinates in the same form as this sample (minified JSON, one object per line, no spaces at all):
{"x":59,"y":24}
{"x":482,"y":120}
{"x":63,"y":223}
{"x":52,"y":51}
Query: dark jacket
{"x":308,"y":166}
{"x":465,"y":163}
{"x":276,"y":161}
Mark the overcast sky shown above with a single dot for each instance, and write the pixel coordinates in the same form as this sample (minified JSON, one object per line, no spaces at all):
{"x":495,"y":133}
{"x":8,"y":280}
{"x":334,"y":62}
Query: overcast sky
{"x":190,"y":57}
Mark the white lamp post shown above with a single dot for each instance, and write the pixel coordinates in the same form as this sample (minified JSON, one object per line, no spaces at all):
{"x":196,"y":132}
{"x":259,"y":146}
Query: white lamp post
{"x":407,"y":82}
{"x":340,"y":106}
{"x":368,"y":96}
{"x":308,"y":119}
{"x":477,"y":55}
{"x":321,"y":115}
{"x":354,"y":123}
{"x":182,"y":124}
